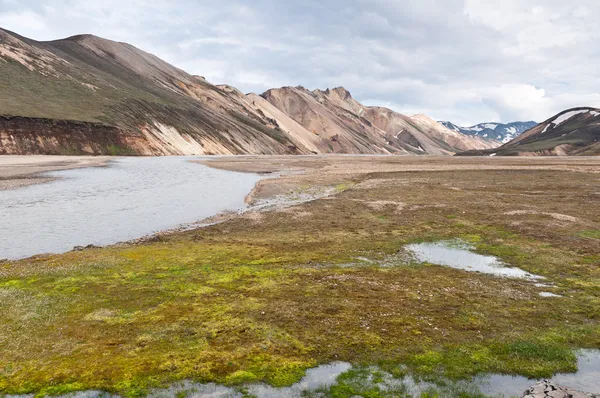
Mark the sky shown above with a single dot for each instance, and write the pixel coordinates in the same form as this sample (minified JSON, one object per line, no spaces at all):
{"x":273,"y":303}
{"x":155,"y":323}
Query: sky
{"x":467,"y":61}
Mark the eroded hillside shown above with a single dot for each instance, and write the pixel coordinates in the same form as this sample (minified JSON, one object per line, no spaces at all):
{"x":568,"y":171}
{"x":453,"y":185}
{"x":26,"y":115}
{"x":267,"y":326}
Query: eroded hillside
{"x":88,"y":95}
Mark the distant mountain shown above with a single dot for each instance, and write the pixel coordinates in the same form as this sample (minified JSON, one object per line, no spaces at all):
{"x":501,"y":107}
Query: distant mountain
{"x":503,"y":132}
{"x":335,"y":115}
{"x":89,"y":95}
{"x":572,"y":132}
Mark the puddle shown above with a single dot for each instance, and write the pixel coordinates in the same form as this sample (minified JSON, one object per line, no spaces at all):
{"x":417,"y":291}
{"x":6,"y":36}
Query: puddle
{"x":458,"y":254}
{"x":586,"y":379}
{"x":548,"y":294}
{"x":320,"y":377}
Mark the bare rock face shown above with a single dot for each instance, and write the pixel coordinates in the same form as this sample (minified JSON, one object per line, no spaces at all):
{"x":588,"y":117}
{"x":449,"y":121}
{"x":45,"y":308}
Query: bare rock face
{"x":351,"y":127}
{"x":546,"y":389}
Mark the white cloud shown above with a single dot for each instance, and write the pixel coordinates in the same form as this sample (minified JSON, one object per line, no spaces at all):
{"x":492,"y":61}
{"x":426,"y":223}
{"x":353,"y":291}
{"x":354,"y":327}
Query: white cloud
{"x":25,"y":20}
{"x":464,"y":60}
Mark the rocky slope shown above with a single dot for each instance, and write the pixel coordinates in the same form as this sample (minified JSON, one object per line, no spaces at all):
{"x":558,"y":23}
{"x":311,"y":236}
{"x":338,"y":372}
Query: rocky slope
{"x":88,"y":95}
{"x":572,"y":132}
{"x":349,"y":126}
{"x":157,"y":108}
{"x":503,"y":132}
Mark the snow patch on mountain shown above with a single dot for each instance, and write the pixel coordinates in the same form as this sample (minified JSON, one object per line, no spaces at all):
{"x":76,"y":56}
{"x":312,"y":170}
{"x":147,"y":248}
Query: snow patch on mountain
{"x":503,"y":132}
{"x":566,"y":116}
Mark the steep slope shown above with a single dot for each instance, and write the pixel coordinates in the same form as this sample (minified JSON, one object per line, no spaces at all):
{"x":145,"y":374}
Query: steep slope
{"x":88,"y":95}
{"x":503,"y":132}
{"x":342,"y":130}
{"x":161,"y":109}
{"x":572,"y":132}
{"x":308,"y":139}
{"x":335,"y":115}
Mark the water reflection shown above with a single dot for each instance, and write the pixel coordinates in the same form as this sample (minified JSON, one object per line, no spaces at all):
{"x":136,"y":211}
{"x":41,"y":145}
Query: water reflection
{"x":459,"y":255}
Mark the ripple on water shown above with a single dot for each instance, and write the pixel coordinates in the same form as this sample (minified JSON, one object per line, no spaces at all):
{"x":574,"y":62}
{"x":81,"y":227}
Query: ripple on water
{"x":459,"y":254}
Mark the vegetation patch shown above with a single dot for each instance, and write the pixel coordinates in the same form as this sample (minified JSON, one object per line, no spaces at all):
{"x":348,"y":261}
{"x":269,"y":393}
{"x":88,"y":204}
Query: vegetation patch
{"x":242,"y":301}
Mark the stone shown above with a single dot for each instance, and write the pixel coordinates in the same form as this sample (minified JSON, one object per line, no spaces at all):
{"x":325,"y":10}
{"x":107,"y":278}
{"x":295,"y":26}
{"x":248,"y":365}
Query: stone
{"x":547,"y":389}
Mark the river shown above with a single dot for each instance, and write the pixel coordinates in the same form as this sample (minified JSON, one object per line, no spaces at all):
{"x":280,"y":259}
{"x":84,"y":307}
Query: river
{"x":129,"y":198}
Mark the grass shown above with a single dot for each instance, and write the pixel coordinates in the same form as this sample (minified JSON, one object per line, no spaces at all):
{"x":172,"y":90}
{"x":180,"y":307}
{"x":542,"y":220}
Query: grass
{"x":246,"y":301}
{"x":93,"y":90}
{"x":591,"y":234}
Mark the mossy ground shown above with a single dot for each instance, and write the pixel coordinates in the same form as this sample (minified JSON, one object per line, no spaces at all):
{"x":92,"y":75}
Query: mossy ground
{"x":263,"y":300}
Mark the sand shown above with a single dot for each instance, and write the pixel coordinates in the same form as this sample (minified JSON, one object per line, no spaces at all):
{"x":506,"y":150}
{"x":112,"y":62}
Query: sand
{"x":321,"y":170}
{"x":21,"y":171}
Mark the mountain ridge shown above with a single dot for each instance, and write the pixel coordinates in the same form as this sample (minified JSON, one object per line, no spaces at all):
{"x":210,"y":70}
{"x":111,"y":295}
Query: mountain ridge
{"x":503,"y":132}
{"x":574,"y":131}
{"x":154,"y":108}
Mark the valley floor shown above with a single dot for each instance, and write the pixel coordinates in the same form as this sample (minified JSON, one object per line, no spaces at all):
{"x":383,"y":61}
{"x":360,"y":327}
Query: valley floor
{"x":264,"y":295}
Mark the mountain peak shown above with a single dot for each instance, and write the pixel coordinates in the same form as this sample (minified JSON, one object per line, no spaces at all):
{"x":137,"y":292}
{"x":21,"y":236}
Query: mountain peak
{"x":342,"y":92}
{"x":503,"y":132}
{"x":82,"y":36}
{"x":169,"y":111}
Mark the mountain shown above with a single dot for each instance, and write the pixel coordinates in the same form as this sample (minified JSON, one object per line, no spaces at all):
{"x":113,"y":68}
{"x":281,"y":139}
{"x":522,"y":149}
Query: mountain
{"x":572,"y":132}
{"x":89,"y":95}
{"x":349,"y":126}
{"x":503,"y":132}
{"x":85,"y":94}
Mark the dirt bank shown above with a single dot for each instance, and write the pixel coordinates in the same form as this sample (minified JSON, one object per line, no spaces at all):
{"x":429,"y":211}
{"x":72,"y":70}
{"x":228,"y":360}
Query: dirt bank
{"x":20,"y":171}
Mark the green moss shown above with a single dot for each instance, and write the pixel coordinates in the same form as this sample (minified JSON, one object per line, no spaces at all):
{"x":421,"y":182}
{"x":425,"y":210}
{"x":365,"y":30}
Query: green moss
{"x":246,"y":301}
{"x":374,"y":382}
{"x":343,"y":186}
{"x":536,"y":358}
{"x":60,"y":389}
{"x":590,"y":234}
{"x":240,"y":377}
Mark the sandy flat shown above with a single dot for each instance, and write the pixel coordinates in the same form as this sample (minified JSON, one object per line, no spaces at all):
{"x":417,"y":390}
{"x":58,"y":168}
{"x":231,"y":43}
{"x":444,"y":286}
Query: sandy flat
{"x":330,"y":169}
{"x":20,"y":171}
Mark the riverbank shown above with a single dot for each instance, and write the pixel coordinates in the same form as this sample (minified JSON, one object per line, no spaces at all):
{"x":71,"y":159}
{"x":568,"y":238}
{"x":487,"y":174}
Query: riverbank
{"x":21,"y":171}
{"x":264,"y":298}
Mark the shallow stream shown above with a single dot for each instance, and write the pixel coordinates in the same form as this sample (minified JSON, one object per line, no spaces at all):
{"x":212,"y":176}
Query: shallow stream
{"x":128,"y":199}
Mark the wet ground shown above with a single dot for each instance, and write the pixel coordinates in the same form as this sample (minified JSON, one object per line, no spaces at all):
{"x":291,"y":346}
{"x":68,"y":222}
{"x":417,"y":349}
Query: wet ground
{"x":21,"y":171}
{"x":459,"y":255}
{"x":259,"y":298}
{"x":319,"y":380}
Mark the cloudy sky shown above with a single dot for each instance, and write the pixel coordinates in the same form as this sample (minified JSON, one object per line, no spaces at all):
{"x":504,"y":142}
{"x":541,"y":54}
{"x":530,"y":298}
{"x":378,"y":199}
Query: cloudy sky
{"x":467,"y":61}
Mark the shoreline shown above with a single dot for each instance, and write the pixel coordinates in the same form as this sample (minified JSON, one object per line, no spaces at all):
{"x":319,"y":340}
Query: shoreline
{"x":19,"y":171}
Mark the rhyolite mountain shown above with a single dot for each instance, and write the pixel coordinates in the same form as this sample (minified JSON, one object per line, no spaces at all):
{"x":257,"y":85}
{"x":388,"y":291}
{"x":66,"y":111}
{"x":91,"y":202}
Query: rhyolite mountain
{"x":503,"y":132}
{"x":88,"y":95}
{"x":349,"y":126}
{"x":574,"y":131}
